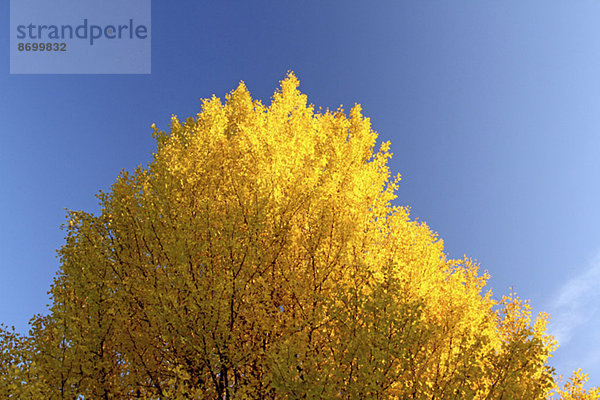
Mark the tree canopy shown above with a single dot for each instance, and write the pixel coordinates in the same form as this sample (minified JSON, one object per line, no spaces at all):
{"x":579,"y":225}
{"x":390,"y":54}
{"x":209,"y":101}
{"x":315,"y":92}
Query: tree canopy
{"x":260,"y":255}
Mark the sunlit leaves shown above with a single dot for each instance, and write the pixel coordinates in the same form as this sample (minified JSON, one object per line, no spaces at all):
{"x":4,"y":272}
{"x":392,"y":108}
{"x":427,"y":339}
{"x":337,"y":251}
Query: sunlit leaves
{"x":259,"y":256}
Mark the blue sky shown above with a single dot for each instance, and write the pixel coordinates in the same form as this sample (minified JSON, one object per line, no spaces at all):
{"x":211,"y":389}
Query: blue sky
{"x":492,"y":108}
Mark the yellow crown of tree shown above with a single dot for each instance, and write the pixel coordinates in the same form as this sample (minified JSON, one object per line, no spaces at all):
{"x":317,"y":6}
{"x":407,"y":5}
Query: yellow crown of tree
{"x":259,"y":256}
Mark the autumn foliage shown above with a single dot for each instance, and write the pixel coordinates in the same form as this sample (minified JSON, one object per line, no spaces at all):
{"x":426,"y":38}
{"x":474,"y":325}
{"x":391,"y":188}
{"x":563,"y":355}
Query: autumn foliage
{"x":260,"y":256}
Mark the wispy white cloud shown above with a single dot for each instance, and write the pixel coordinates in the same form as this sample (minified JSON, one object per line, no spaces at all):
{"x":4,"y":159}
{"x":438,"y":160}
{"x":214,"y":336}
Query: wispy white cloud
{"x":576,"y":303}
{"x":575,"y":324}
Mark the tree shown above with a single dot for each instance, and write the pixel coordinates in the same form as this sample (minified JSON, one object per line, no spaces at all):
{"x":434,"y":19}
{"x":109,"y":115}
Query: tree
{"x":259,"y":256}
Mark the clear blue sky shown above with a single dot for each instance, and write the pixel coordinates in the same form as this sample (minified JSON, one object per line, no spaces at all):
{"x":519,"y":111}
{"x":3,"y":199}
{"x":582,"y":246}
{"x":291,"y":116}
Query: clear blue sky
{"x":492,"y":108}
